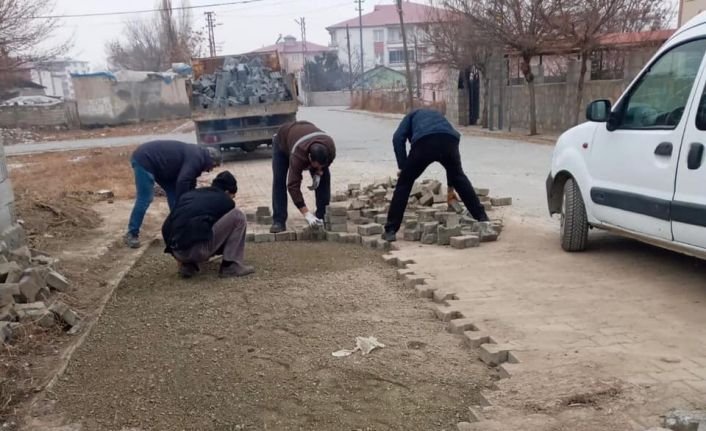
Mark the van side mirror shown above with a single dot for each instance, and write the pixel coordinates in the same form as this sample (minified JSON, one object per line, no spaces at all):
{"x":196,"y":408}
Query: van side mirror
{"x":598,"y":111}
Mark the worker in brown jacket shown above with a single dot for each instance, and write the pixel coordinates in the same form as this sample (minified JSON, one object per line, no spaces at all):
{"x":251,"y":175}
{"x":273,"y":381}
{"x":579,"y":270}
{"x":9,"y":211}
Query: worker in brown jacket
{"x":300,"y":146}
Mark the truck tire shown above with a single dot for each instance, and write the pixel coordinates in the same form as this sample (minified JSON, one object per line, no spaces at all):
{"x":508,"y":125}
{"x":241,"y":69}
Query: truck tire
{"x":574,"y":221}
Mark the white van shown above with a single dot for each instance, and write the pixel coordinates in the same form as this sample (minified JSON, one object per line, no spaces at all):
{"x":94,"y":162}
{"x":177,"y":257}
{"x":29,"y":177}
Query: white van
{"x":637,"y":168}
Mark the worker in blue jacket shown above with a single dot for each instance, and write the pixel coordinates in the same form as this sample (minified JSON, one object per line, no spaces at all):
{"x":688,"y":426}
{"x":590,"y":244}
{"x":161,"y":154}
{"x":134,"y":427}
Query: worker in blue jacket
{"x":174,"y":165}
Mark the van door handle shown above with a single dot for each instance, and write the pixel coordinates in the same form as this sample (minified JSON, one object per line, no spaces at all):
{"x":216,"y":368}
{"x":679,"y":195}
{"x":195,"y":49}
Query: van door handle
{"x":664,"y":149}
{"x":696,"y":155}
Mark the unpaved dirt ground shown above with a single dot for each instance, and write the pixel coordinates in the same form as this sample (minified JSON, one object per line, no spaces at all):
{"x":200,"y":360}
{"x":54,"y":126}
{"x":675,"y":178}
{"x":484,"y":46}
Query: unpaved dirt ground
{"x":23,"y":136}
{"x":255,"y":353}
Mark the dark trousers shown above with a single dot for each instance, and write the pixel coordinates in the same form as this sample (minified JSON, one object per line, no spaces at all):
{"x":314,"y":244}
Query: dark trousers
{"x":442,"y":148}
{"x":280,"y":169}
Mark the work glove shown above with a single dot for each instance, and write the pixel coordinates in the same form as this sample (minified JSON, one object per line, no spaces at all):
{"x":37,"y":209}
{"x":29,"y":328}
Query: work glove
{"x":313,"y":221}
{"x":315,"y":181}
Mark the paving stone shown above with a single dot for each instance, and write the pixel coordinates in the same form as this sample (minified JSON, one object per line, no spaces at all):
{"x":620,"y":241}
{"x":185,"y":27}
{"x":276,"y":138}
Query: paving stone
{"x":286,"y":236}
{"x":480,"y":192}
{"x":353,"y":214}
{"x":8,"y":293}
{"x":21,"y":255}
{"x":370,"y":229}
{"x":70,"y":318}
{"x":411,"y":281}
{"x":429,"y":227}
{"x":475,"y":339}
{"x":426,"y":200}
{"x":7,"y":313}
{"x":264,"y":237}
{"x":390,"y":259}
{"x":251,"y":217}
{"x":10,"y":272}
{"x":442,"y":295}
{"x":446,"y":313}
{"x":337,"y":210}
{"x":445,"y":233}
{"x":263,"y":212}
{"x":353,"y":187}
{"x":370,"y":212}
{"x":459,"y":326}
{"x":684,"y":420}
{"x":439,"y":198}
{"x":35,"y":312}
{"x":5,"y":332}
{"x":412,"y":235}
{"x":264,"y":220}
{"x":448,"y":219}
{"x":417,"y":190}
{"x":357,"y":204}
{"x":57,"y":282}
{"x":489,"y":238}
{"x":369,"y":241}
{"x":501,"y":202}
{"x":384,"y":245}
{"x":339,"y":197}
{"x":381,"y":219}
{"x":30,"y":285}
{"x":249,"y":237}
{"x":340,"y":227}
{"x":412,"y":202}
{"x":429,"y":238}
{"x":411,"y":224}
{"x":432,"y":186}
{"x":465,"y":241}
{"x":426,"y":215}
{"x":349,"y":238}
{"x":335,"y":219}
{"x":424,"y":290}
{"x":465,"y":426}
{"x":333,"y":236}
{"x":493,"y":354}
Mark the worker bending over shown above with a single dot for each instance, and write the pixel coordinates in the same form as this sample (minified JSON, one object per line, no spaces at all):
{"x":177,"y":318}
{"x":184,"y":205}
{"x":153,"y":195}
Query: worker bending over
{"x":300,"y":146}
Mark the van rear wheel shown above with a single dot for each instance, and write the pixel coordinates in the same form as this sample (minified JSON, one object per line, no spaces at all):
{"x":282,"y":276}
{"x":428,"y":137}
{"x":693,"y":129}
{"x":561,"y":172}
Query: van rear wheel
{"x":574,"y":221}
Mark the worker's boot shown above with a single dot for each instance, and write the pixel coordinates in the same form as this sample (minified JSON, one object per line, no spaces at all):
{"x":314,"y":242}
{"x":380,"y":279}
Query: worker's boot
{"x":131,"y":240}
{"x":389,"y":236}
{"x":232,"y":269}
{"x":277,"y":228}
{"x":188,"y":270}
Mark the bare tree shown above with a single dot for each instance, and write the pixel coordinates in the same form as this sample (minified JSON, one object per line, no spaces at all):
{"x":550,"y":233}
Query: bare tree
{"x":458,"y":43}
{"x":24,"y":31}
{"x":519,"y":25}
{"x":155,"y":44}
{"x":581,"y":24}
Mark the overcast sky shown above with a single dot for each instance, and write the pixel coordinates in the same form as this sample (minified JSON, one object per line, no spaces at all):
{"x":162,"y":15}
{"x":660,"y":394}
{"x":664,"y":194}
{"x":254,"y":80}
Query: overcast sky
{"x":244,"y":27}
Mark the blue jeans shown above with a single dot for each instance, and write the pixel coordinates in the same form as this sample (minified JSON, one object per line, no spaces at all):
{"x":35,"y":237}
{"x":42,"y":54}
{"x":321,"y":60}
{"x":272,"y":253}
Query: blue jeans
{"x":144,"y":185}
{"x":280,"y":168}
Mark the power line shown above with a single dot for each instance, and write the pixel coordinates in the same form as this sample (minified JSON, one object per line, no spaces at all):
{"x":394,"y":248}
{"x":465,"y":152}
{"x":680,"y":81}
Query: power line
{"x":360,"y":24}
{"x":210,"y":23}
{"x":146,"y":10}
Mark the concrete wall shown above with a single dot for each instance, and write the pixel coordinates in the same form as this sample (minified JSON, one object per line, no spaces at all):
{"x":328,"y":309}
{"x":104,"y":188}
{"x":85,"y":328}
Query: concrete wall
{"x":11,"y":234}
{"x":330,"y":98}
{"x":61,"y":115}
{"x":104,"y":101}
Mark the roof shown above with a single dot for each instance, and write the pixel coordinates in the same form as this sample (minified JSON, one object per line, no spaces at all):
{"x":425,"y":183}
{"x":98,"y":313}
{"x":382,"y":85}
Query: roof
{"x":382,"y":69}
{"x":384,"y":15}
{"x":292,"y":48}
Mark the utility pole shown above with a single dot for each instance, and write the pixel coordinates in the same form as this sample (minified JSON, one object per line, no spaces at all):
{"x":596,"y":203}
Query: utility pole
{"x":307,"y":84}
{"x":350,"y":61}
{"x":360,"y":25}
{"x":211,"y":23}
{"x":417,"y":72}
{"x":406,"y":56}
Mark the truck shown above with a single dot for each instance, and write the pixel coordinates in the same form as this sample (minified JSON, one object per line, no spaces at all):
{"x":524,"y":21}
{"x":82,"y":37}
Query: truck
{"x":238,"y":102}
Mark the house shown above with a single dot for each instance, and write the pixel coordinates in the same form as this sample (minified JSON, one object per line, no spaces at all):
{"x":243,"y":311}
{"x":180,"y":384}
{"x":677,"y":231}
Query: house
{"x":292,"y":52}
{"x":55,"y":76}
{"x":382,"y":77}
{"x":382,"y":36}
{"x":689,"y":9}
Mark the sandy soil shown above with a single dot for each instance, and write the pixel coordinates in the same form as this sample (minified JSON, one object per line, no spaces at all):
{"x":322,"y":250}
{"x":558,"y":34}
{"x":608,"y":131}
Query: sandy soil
{"x":255,"y":353}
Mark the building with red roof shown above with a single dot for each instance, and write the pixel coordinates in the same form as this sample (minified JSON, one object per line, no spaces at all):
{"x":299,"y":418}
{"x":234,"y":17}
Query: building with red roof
{"x":292,"y":52}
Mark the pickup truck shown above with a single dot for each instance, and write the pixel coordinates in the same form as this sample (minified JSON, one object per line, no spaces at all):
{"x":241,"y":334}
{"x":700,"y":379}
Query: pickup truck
{"x":233,"y":103}
{"x":636,"y":167}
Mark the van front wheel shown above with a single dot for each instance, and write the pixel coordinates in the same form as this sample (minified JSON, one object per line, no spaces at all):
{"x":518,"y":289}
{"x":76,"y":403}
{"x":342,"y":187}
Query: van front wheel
{"x":574,"y":221}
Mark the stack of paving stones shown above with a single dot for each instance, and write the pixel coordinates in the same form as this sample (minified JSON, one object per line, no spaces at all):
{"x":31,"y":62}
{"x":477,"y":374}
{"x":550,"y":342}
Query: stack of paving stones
{"x":29,"y":291}
{"x":358,"y":216}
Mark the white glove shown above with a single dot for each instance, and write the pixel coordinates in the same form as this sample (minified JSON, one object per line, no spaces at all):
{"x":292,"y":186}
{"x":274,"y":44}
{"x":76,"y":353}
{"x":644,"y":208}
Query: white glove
{"x":313,"y":221}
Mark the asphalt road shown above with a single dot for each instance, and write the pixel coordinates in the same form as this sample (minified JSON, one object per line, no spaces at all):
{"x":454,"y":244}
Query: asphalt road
{"x":510,"y":168}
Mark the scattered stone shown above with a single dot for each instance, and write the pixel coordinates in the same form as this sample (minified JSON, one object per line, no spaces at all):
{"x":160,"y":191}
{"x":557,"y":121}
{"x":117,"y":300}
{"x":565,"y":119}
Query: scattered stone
{"x":353,"y":187}
{"x":381,"y":219}
{"x":426,"y":215}
{"x":684,"y":420}
{"x":57,"y":282}
{"x":251,"y":217}
{"x":40,"y":259}
{"x":429,"y":238}
{"x":349,"y":238}
{"x":370,"y":212}
{"x":482,"y":192}
{"x":105,"y":194}
{"x":264,"y":237}
{"x":501,"y":202}
{"x":249,"y":237}
{"x":370,"y":229}
{"x":412,"y":235}
{"x":430,"y":228}
{"x":35,"y":312}
{"x":7,"y":313}
{"x":411,"y":225}
{"x":334,"y":219}
{"x":337,"y":227}
{"x":264,"y":220}
{"x":21,"y":255}
{"x":353,"y":214}
{"x":286,"y":236}
{"x":439,"y":198}
{"x":30,"y":285}
{"x":333,"y":236}
{"x":426,"y":200}
{"x":466,"y":241}
{"x":448,"y":219}
{"x":5,"y":332}
{"x":417,"y":190}
{"x":337,"y":210}
{"x":10,"y":272}
{"x":369,"y":241}
{"x":384,"y":245}
{"x":263,"y":212}
{"x":444,"y":234}
{"x":340,"y":197}
{"x":357,"y":204}
{"x":8,"y":292}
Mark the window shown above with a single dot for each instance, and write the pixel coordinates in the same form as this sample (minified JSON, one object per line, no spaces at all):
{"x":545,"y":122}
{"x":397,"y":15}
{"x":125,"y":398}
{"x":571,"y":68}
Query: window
{"x":379,"y":35}
{"x":397,"y":56}
{"x":333,"y":37}
{"x":394,"y":35}
{"x":658,"y":99}
{"x":607,"y":64}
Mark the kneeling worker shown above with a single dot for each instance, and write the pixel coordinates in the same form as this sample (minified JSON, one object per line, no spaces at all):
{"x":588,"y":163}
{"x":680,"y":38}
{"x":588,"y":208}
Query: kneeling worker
{"x":296,"y":147}
{"x":205,"y":223}
{"x":432,"y":139}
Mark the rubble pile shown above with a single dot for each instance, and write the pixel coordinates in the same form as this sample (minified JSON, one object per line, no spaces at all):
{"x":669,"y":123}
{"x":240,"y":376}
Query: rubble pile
{"x":240,"y":82}
{"x":359,"y":214}
{"x":29,"y":287}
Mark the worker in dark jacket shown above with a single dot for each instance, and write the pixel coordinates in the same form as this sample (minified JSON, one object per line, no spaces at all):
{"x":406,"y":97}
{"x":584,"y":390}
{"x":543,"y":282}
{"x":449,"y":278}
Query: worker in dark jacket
{"x":300,"y":146}
{"x":174,"y":166}
{"x":432,"y":139}
{"x":205,"y":222}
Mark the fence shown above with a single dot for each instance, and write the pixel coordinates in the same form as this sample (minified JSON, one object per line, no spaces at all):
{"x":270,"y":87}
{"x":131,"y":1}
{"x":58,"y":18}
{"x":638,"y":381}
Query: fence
{"x":59,"y":115}
{"x":394,"y":101}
